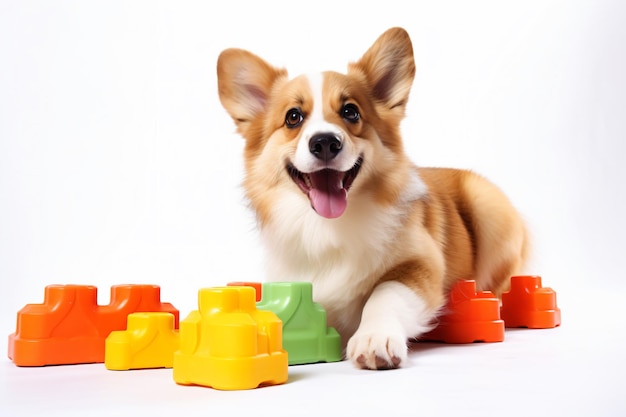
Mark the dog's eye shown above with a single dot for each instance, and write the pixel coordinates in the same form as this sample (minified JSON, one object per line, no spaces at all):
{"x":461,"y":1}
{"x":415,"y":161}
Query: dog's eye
{"x":293,"y":118}
{"x":350,"y":113}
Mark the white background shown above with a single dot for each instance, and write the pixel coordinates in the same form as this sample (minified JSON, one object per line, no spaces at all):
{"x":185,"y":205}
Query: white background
{"x":118,"y":165}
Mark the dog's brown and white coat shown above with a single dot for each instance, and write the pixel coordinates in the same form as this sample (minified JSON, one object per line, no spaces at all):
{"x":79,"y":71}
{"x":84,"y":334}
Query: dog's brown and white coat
{"x":340,"y":204}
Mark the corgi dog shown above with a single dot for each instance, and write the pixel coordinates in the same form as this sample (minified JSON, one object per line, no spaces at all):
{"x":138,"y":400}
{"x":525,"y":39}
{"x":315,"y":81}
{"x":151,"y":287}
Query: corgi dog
{"x":340,"y":204}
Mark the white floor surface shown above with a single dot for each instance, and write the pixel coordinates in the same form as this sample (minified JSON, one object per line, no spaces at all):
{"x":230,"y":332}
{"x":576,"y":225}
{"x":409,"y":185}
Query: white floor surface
{"x":573,"y":370}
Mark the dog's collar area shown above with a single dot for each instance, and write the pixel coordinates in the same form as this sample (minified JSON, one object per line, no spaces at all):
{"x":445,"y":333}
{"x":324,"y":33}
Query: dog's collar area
{"x":327,"y":189}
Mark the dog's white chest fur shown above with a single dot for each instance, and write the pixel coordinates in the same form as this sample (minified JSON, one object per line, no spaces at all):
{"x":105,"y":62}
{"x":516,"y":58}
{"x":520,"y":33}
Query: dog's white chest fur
{"x":342,"y":257}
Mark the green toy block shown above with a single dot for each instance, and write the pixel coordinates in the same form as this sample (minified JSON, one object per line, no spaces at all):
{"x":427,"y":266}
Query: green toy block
{"x":306,"y":337}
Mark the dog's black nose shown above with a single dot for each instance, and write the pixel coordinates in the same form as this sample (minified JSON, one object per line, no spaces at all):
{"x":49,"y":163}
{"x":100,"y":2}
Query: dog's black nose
{"x":325,"y":146}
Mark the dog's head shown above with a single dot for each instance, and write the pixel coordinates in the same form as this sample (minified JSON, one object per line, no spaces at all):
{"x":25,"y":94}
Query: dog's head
{"x":321,"y":135}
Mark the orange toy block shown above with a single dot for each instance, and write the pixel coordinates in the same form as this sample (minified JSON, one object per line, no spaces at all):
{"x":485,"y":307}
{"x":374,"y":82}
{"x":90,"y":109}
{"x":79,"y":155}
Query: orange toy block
{"x":527,"y":304}
{"x":149,"y":341}
{"x":258,"y":287}
{"x":70,"y":327}
{"x":468,"y":317}
{"x":228,"y":344}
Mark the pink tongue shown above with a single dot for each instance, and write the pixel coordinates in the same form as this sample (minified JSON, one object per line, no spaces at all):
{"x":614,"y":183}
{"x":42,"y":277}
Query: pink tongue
{"x":327,"y":195}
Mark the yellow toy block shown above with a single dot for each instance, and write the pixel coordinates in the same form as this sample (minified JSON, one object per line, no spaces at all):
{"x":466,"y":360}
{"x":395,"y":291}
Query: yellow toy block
{"x":149,"y":341}
{"x":228,"y":344}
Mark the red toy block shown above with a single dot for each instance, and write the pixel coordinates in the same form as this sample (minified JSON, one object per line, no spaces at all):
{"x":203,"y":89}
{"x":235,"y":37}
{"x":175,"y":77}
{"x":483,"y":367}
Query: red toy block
{"x":527,"y":304}
{"x":468,"y":317}
{"x":71,"y":328}
{"x":258,"y":287}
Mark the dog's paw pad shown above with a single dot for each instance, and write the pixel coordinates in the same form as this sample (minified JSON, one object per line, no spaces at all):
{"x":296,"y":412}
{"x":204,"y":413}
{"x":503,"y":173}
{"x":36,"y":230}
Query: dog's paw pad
{"x":377,"y":352}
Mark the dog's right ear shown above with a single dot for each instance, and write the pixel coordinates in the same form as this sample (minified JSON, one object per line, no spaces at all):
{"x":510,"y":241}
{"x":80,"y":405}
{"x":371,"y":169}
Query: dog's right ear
{"x":244,"y":83}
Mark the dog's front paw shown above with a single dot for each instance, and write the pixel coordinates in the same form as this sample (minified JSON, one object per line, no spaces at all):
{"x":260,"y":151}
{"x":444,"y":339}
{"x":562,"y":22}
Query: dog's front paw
{"x":370,"y":350}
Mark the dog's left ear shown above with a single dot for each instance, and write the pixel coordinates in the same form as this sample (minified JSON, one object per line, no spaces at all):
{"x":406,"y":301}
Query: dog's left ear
{"x":389,"y":68}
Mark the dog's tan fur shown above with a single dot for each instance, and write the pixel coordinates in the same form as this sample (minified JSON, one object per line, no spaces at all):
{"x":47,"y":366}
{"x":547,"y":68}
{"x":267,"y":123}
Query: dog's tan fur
{"x":382,"y":268}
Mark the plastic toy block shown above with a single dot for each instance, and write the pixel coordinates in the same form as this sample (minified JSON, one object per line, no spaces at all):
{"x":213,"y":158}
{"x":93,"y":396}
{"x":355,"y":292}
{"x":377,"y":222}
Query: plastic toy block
{"x":468,"y":317}
{"x":228,"y":344}
{"x":306,"y":336}
{"x":256,"y":285}
{"x":149,"y":341}
{"x":527,"y":304}
{"x":70,"y":327}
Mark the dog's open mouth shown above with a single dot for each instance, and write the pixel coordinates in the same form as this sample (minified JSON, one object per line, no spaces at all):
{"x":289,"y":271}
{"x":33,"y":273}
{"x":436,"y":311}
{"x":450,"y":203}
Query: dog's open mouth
{"x":327,"y":189}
